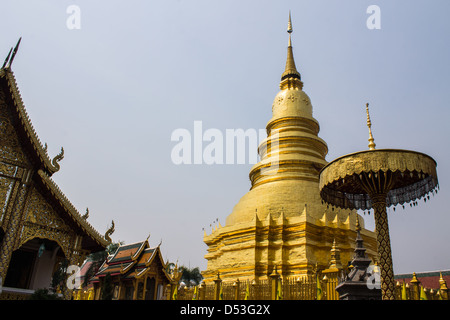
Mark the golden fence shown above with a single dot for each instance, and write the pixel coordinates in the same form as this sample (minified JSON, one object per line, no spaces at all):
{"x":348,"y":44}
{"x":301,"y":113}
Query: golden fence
{"x":303,"y":288}
{"x":411,"y":291}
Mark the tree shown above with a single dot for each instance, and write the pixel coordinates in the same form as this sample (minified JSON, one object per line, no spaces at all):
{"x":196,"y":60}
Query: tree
{"x":44,"y":294}
{"x":107,"y":288}
{"x":191,"y":276}
{"x":97,"y":259}
{"x":59,"y":276}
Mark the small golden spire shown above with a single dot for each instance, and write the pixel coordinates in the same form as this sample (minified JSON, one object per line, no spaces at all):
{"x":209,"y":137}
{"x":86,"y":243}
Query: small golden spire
{"x":289,"y":29}
{"x":369,"y":124}
{"x":442,"y":282}
{"x":291,"y":77}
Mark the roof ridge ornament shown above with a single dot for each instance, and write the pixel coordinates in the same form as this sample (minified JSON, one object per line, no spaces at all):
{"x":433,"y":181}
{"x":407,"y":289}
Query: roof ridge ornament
{"x":8,"y":61}
{"x":7,"y":58}
{"x":109,"y":232}
{"x":58,"y":158}
{"x":86,"y":215}
{"x":369,"y":125}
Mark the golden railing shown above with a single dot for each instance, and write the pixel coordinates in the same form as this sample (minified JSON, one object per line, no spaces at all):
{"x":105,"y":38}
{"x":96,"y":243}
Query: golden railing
{"x":300,"y":288}
{"x":294,"y":288}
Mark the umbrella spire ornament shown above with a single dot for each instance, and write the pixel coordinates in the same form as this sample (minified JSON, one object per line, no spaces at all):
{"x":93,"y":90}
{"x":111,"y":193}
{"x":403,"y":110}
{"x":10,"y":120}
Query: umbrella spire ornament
{"x":376,"y":179}
{"x":369,"y":125}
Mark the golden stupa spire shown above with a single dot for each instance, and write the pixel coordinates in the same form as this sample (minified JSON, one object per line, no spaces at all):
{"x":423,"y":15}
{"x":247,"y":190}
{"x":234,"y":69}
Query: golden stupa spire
{"x":369,"y":124}
{"x":289,"y":29}
{"x":290,"y":70}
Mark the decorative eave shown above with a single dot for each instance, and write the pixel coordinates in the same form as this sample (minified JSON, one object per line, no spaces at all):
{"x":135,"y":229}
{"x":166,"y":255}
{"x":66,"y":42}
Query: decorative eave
{"x":156,"y":253}
{"x":39,"y":152}
{"x":102,"y":268}
{"x":141,"y":273}
{"x":152,"y":257}
{"x":127,"y":267}
{"x":71,"y":211}
{"x":138,"y":252}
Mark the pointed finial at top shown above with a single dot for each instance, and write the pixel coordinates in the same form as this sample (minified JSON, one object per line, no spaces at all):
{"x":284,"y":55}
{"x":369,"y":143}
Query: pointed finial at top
{"x":289,"y":29}
{"x":290,"y":71}
{"x":16,"y":48}
{"x":369,"y":125}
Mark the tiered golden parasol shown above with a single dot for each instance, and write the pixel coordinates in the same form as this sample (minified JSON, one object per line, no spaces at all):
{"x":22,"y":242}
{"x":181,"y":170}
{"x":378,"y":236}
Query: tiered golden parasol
{"x":378,"y":179}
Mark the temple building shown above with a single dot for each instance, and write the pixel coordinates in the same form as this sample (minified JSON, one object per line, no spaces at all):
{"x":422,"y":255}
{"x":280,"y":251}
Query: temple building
{"x":282,"y":220}
{"x":39,"y":226}
{"x":137,"y":272}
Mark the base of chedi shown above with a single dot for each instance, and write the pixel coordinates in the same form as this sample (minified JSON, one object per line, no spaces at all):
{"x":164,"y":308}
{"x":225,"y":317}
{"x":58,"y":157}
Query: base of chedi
{"x":295,"y":242}
{"x":282,"y":220}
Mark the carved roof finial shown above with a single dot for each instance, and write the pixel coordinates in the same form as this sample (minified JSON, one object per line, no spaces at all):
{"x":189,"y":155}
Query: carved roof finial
{"x":16,"y":48}
{"x":86,"y":215}
{"x":8,"y":61}
{"x":7,"y":58}
{"x":58,"y":158}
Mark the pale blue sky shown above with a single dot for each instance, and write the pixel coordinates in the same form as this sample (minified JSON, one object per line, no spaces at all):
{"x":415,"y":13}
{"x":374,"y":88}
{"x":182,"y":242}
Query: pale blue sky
{"x":112,"y":93}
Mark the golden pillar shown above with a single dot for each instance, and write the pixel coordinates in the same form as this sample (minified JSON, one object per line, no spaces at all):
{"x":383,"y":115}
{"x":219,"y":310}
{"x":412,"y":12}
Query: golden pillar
{"x":384,"y":247}
{"x":217,"y":287}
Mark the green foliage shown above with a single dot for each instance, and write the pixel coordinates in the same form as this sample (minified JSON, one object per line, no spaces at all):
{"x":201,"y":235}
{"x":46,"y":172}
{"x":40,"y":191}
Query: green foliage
{"x":191,"y":276}
{"x":59,"y":276}
{"x":44,"y":294}
{"x":102,"y":255}
{"x":97,"y":259}
{"x":107,"y":288}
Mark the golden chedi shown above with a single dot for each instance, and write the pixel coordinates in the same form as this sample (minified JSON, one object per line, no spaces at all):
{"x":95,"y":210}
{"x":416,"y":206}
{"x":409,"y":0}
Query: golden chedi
{"x":282,"y":221}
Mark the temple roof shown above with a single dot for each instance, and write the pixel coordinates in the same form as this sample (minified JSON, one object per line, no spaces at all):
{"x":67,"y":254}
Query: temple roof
{"x":42,"y":166}
{"x":132,"y":261}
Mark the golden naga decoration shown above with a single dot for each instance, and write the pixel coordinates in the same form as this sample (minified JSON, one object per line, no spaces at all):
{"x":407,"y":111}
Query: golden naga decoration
{"x":58,"y":158}
{"x":109,"y":232}
{"x":377,"y":179}
{"x":86,"y":215}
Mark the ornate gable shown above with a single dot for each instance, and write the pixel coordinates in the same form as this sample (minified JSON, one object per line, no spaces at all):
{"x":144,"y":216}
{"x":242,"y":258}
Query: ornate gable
{"x":41,"y":220}
{"x":20,"y":142}
{"x":31,"y":204}
{"x":10,"y":149}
